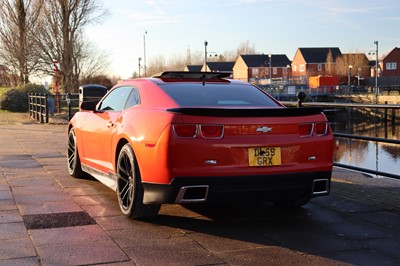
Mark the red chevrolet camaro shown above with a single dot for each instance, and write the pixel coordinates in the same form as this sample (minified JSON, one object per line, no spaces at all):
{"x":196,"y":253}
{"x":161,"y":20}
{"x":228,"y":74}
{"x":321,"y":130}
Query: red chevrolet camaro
{"x":188,"y":137}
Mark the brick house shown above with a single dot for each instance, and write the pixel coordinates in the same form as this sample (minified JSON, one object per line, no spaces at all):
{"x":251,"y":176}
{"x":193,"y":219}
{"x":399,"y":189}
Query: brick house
{"x":257,"y":67}
{"x":315,"y":61}
{"x":391,"y":64}
{"x":193,"y":68}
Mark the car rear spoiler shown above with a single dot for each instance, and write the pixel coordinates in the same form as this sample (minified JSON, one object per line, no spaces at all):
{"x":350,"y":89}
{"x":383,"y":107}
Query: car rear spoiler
{"x":245,"y":112}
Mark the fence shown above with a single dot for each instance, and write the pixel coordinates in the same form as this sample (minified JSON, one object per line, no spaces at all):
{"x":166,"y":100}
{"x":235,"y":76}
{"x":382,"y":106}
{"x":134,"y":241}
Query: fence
{"x":43,"y":106}
{"x":376,"y":172}
{"x":290,"y":85}
{"x":39,"y":107}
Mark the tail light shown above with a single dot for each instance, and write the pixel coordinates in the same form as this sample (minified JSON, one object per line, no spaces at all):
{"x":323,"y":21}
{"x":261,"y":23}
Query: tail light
{"x":321,"y":129}
{"x":206,"y":131}
{"x":185,"y":130}
{"x":308,"y":129}
{"x":212,"y":131}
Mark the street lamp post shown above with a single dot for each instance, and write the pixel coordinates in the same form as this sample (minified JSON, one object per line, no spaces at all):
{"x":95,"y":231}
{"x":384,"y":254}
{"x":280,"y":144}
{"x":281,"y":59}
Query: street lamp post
{"x":205,"y":55}
{"x":288,"y":74}
{"x":349,"y":80}
{"x":140,"y":59}
{"x":144,"y":53}
{"x":376,"y":71}
{"x":270,"y":71}
{"x":56,"y":68}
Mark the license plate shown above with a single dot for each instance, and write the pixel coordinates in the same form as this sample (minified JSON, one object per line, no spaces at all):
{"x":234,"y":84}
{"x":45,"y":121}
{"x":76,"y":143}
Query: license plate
{"x":264,"y":156}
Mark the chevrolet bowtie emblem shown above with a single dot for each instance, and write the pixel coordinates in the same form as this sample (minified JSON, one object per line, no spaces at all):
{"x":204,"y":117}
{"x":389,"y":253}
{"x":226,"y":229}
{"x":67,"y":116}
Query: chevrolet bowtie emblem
{"x":264,"y":129}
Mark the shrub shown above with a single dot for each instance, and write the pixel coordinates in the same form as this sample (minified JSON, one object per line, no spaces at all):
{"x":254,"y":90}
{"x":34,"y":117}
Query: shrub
{"x":16,"y":99}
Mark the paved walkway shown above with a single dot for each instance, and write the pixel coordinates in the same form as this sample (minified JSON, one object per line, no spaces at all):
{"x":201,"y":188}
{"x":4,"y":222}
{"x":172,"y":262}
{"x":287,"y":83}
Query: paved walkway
{"x":49,"y":218}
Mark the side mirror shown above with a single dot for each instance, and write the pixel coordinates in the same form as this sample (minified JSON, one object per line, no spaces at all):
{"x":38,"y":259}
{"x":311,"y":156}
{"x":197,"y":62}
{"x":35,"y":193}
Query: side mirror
{"x":88,"y":106}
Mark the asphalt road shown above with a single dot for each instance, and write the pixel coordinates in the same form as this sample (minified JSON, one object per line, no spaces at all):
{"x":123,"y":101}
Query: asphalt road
{"x":50,"y":218}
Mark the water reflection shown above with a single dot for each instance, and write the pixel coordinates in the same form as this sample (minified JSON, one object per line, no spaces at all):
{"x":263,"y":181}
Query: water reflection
{"x":371,"y":155}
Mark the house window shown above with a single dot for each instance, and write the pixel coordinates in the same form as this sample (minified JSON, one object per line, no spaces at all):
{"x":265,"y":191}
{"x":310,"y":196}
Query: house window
{"x":319,"y":67}
{"x":295,"y":68}
{"x":391,"y":66}
{"x":254,"y":72}
{"x":275,"y":71}
{"x":302,"y":68}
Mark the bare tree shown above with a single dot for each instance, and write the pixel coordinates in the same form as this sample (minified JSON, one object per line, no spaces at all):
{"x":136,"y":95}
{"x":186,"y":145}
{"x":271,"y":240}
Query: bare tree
{"x":178,"y":63}
{"x":231,"y":56}
{"x":18,"y":23}
{"x":330,"y":63}
{"x":61,"y":29}
{"x":358,"y":62}
{"x":194,"y":58}
{"x":245,"y":48}
{"x":156,"y":65}
{"x":88,"y":60}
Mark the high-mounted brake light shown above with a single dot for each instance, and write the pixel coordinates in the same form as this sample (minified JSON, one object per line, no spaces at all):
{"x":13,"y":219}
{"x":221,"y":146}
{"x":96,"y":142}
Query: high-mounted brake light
{"x":185,"y":130}
{"x":212,"y":131}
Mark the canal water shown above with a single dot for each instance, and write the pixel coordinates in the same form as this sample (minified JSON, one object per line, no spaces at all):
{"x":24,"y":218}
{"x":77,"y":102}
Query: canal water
{"x":372,"y":155}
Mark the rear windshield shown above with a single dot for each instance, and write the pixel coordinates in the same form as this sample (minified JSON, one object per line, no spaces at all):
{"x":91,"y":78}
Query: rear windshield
{"x":217,"y":94}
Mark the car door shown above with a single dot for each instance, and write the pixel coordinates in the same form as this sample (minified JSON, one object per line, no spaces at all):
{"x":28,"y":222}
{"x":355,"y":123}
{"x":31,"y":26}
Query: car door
{"x":100,"y":127}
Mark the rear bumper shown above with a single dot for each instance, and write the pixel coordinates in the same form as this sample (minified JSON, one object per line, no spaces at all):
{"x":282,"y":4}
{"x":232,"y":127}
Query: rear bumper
{"x":238,"y":188}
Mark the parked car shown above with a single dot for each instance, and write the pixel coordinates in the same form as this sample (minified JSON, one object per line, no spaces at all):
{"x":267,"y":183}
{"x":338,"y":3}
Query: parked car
{"x":193,"y":137}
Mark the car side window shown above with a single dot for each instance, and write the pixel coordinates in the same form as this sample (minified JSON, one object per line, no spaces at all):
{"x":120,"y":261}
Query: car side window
{"x":116,"y":99}
{"x":133,"y":98}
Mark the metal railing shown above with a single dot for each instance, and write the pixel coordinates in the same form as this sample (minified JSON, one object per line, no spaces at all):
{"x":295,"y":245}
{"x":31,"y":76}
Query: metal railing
{"x":386,"y":107}
{"x":290,"y":91}
{"x":43,"y":106}
{"x":366,"y":170}
{"x":39,"y":107}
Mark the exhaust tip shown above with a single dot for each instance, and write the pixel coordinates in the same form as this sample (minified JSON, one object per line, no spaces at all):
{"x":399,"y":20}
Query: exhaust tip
{"x":320,"y":186}
{"x":192,"y":194}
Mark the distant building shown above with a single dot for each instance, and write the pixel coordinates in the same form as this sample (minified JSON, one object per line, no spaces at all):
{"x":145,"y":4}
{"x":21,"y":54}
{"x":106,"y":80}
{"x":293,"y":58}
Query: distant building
{"x":260,"y":68}
{"x":315,"y":61}
{"x":219,"y":67}
{"x":391,"y":64}
{"x":193,"y":68}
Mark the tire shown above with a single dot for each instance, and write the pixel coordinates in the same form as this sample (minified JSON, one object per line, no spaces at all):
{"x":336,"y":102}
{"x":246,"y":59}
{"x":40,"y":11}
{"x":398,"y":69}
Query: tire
{"x":129,"y":187}
{"x":74,"y":163}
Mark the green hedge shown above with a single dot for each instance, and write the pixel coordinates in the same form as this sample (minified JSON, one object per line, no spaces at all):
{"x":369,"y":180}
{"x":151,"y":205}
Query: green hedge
{"x":16,"y":99}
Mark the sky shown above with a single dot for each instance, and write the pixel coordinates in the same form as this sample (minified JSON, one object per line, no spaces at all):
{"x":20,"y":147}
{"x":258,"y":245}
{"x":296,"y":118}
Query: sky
{"x":168,"y":28}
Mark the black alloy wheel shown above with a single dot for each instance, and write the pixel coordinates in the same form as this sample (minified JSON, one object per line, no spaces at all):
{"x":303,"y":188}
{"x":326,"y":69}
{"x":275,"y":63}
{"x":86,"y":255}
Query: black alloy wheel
{"x":129,"y":187}
{"x":74,"y":163}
